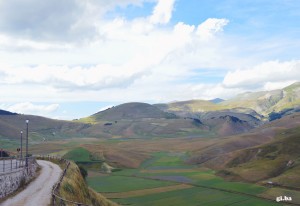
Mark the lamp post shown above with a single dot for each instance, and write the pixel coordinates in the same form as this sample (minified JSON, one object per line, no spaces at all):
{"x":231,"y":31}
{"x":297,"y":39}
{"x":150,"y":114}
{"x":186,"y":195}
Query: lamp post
{"x":26,"y":162}
{"x":21,"y":145}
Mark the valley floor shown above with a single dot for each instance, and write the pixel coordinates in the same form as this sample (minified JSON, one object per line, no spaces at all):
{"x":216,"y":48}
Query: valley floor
{"x":165,"y":179}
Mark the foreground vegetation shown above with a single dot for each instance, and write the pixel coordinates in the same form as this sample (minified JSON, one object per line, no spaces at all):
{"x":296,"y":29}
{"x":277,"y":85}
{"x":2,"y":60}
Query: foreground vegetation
{"x":74,"y":188}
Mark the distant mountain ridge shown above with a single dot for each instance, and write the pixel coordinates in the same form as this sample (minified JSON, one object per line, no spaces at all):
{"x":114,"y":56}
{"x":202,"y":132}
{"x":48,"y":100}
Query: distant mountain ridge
{"x":190,"y":118}
{"x":217,"y":100}
{"x":3,"y":112}
{"x":263,"y":102}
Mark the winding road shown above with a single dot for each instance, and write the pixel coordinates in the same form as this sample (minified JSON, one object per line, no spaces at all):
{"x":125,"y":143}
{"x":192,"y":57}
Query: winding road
{"x":38,"y":192}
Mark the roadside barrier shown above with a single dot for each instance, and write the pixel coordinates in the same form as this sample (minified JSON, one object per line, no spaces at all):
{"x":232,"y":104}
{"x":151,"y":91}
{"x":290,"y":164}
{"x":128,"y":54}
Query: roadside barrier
{"x":12,"y":164}
{"x":15,"y":172}
{"x":57,"y":200}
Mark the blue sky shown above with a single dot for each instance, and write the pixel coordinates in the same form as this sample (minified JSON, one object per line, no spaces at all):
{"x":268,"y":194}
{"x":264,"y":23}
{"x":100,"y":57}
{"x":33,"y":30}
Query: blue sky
{"x":73,"y":58}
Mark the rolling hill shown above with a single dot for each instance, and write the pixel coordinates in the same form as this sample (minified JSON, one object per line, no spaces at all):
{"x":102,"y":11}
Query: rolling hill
{"x":189,"y":106}
{"x":40,"y":128}
{"x":141,"y":120}
{"x":134,"y":110}
{"x":270,"y":153}
{"x":194,"y":118}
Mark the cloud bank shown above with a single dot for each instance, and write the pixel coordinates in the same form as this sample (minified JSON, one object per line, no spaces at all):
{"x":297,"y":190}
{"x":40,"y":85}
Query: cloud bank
{"x":53,"y":51}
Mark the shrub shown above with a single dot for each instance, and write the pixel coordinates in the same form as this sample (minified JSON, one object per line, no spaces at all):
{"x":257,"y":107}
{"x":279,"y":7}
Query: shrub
{"x":83,"y":172}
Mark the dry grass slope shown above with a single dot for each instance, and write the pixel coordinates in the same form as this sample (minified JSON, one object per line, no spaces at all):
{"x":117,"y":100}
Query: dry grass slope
{"x":74,"y":188}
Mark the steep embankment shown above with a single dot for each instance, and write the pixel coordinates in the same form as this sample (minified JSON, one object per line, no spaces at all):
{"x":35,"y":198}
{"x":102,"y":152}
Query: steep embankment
{"x":74,"y":188}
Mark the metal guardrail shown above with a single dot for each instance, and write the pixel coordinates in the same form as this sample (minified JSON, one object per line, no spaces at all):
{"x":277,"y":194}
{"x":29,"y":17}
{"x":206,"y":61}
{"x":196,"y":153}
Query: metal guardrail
{"x":56,"y":198}
{"x":13,"y":164}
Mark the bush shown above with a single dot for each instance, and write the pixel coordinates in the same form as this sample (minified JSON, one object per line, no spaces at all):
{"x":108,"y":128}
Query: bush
{"x":83,"y":172}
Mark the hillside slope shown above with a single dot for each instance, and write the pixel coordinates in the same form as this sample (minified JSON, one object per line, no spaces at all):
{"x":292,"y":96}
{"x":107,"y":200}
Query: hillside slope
{"x":263,"y":102}
{"x":272,"y":151}
{"x":267,"y":101}
{"x":40,"y":128}
{"x":141,"y":120}
{"x":74,"y":188}
{"x":134,"y":110}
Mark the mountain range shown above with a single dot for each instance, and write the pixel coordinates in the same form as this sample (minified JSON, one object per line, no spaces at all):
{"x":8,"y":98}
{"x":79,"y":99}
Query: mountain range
{"x":253,"y":137}
{"x":193,"y":118}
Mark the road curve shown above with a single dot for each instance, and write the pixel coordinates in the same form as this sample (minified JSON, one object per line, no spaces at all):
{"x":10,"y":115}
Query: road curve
{"x":38,"y":192}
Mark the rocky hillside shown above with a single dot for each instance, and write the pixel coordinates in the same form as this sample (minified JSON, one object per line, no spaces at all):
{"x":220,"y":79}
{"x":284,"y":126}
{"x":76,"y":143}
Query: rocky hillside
{"x":263,"y":102}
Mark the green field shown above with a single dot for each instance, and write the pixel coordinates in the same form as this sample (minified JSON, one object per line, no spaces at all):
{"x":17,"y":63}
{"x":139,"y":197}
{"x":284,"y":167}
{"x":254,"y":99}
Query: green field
{"x":78,"y":155}
{"x":165,"y":169}
{"x":8,"y":144}
{"x":123,"y":184}
{"x":192,"y":197}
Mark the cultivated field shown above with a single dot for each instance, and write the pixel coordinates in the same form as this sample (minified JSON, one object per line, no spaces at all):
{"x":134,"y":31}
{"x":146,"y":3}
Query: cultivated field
{"x":164,"y":179}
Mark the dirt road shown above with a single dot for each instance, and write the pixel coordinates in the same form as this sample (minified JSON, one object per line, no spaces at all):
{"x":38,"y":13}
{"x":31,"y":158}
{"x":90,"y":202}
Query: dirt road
{"x":38,"y":192}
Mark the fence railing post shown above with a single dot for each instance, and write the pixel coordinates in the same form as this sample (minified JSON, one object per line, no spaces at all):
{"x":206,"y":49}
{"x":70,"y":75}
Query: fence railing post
{"x":53,"y":199}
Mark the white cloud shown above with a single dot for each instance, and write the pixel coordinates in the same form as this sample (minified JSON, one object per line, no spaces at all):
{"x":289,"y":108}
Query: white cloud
{"x":14,"y":44}
{"x":142,"y":59}
{"x":69,"y":78}
{"x":210,"y":27}
{"x":268,"y":86}
{"x":55,"y":20}
{"x":148,"y":54}
{"x":30,"y":108}
{"x":144,"y":62}
{"x":266,"y":75}
{"x":162,"y":12}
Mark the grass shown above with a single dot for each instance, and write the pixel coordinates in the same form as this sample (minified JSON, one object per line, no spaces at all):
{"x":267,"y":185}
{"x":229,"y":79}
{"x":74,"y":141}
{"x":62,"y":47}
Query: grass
{"x":192,"y":197}
{"x":123,"y":184}
{"x":78,"y":155}
{"x":87,"y":120}
{"x":143,"y":192}
{"x":74,"y":188}
{"x":276,"y":192}
{"x":8,"y":143}
{"x":136,"y":186}
{"x":271,"y":161}
{"x":168,"y":165}
{"x":208,"y":178}
{"x":290,"y":178}
{"x":163,"y":160}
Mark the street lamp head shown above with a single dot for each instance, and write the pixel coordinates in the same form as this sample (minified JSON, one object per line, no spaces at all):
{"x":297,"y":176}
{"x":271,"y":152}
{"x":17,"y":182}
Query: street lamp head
{"x":21,"y":132}
{"x":27,"y":121}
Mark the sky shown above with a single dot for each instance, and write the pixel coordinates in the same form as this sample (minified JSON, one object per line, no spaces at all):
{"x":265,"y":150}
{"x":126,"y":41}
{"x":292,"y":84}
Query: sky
{"x":69,"y":59}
